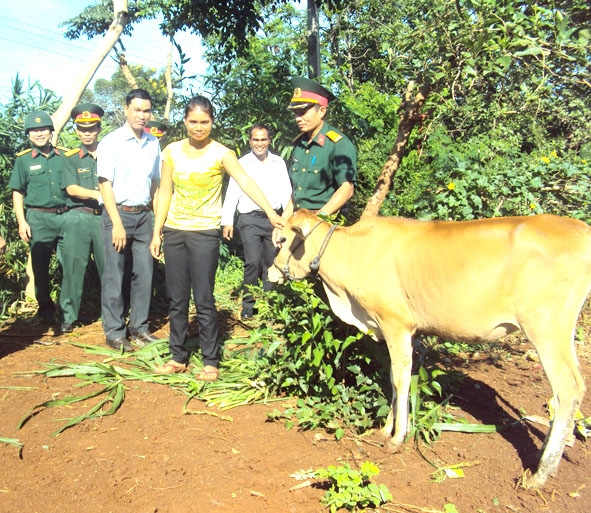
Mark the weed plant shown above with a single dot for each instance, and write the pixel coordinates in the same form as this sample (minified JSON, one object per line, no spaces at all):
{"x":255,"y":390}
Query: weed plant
{"x":352,"y":489}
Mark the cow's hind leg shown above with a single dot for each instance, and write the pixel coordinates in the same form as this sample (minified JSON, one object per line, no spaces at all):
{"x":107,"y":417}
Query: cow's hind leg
{"x":400,"y":348}
{"x":555,"y":347}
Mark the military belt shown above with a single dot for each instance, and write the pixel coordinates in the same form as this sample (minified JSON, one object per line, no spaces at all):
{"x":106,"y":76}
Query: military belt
{"x":54,"y":210}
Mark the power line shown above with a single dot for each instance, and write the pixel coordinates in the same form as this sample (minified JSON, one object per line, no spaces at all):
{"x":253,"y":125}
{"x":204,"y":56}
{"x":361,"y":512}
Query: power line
{"x":78,"y":44}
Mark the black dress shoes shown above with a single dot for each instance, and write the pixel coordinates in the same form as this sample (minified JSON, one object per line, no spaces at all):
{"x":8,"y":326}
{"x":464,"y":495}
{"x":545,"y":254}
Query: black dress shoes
{"x":143,"y":339}
{"x":66,"y":327}
{"x":247,"y":313}
{"x":118,"y":343}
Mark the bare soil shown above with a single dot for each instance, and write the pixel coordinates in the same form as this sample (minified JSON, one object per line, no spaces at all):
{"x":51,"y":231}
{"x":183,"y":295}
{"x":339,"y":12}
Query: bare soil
{"x":150,"y":457}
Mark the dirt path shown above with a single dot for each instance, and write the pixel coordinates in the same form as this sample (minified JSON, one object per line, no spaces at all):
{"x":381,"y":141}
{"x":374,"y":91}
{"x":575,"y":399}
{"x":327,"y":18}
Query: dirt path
{"x":149,"y":457}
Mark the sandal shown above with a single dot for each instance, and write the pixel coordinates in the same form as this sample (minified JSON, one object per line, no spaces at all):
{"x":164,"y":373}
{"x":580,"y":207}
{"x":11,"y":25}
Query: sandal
{"x":171,"y":367}
{"x":208,"y":374}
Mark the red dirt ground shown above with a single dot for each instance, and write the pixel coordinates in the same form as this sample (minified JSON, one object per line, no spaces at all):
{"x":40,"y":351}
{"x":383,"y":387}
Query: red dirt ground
{"x":151,"y":458}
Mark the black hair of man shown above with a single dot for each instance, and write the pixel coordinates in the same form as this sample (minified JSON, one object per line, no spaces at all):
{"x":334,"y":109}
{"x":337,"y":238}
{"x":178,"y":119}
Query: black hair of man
{"x":259,"y":126}
{"x":142,"y":94}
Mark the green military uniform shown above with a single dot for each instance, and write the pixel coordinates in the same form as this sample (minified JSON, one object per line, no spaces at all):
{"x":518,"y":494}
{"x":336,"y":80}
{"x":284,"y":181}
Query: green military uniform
{"x":82,"y":230}
{"x":38,"y":178}
{"x":319,"y":167}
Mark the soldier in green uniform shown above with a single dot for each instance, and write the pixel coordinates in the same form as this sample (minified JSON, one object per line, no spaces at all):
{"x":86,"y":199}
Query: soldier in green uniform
{"x":82,"y":230}
{"x":323,"y":164}
{"x":36,"y":184}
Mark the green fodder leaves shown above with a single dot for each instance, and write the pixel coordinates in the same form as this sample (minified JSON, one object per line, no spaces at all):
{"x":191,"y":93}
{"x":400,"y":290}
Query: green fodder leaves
{"x":352,"y":489}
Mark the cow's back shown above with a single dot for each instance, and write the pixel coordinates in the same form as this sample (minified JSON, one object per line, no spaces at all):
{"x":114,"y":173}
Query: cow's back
{"x":469,"y":280}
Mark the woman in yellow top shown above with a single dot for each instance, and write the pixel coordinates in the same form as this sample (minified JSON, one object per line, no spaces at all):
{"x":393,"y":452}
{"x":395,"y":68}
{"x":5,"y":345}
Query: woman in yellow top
{"x":187,"y":218}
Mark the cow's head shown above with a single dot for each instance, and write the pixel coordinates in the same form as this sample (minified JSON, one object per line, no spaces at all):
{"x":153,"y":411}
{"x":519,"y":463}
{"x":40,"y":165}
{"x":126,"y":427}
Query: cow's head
{"x":295,"y":255}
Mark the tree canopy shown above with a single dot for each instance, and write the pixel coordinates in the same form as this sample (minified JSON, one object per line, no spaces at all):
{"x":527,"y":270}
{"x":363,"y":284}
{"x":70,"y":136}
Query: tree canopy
{"x":230,"y":22}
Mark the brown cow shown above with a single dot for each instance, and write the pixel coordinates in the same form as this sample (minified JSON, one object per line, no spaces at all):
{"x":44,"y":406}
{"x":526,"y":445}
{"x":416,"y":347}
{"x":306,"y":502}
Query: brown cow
{"x":471,"y":281}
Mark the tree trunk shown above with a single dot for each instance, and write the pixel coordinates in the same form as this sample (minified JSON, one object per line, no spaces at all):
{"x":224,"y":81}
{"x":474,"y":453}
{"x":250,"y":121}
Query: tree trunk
{"x":120,"y":18}
{"x":126,"y":71}
{"x":409,"y":116}
{"x":168,"y":78}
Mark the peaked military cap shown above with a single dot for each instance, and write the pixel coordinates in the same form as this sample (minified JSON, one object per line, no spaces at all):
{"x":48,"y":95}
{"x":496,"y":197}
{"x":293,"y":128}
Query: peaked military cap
{"x":156,"y":128}
{"x":87,"y":115}
{"x":306,"y":93}
{"x":38,"y":119}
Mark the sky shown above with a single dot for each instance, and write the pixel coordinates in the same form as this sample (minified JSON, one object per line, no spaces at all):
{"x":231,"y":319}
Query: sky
{"x":33,"y":45}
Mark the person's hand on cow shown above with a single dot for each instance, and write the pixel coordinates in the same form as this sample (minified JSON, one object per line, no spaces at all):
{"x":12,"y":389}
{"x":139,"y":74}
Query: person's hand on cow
{"x":277,"y":238}
{"x":276,"y":220}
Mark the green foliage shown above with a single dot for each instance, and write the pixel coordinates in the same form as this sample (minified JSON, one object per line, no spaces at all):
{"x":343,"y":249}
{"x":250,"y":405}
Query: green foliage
{"x":230,"y":22}
{"x":352,"y":489}
{"x":320,"y":361}
{"x":256,"y":88}
{"x":486,"y":177}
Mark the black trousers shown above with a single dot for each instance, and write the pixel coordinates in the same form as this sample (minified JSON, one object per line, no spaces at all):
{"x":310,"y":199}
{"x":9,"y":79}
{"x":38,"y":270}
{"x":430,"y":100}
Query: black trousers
{"x":256,"y":233}
{"x":191,"y":261}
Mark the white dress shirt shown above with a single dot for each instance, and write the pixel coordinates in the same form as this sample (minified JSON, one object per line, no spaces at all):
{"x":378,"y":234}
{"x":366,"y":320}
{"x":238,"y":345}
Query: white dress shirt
{"x":271,"y":177}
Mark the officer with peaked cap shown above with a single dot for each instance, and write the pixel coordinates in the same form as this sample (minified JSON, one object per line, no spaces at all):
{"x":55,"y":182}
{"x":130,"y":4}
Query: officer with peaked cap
{"x":323,"y":163}
{"x":39,"y":203}
{"x":156,"y":128}
{"x":82,"y":229}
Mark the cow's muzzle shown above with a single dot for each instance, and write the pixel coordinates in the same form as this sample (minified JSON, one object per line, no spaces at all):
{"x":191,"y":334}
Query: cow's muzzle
{"x":314,"y":264}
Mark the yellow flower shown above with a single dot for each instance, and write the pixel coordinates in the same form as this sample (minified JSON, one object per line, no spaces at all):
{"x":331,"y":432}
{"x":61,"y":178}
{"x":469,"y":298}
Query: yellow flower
{"x":451,"y":186}
{"x":545,"y":160}
{"x":533,"y":206}
{"x":553,"y":154}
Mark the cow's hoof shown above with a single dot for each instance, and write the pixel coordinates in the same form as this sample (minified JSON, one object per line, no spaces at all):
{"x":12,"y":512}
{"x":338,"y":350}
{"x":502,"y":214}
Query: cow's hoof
{"x":388,"y":443}
{"x":532,"y":482}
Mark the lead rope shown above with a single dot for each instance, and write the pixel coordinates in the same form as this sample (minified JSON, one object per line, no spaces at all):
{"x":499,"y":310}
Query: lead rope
{"x":315,"y":263}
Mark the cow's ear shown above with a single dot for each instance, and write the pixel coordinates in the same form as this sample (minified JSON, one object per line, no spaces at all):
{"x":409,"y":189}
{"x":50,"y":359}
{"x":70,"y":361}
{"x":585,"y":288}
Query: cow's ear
{"x":299,"y":231}
{"x":305,"y":226}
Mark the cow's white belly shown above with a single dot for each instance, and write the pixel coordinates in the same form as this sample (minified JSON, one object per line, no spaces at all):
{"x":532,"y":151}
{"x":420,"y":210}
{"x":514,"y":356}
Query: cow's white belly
{"x":342,"y":307}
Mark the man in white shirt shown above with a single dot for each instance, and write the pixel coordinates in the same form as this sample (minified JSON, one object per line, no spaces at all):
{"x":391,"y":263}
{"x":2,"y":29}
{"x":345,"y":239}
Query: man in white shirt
{"x":270,"y":173}
{"x":128,"y":169}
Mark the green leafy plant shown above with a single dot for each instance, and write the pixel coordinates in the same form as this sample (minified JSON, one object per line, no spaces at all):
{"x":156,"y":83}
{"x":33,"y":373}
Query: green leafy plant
{"x":325,"y":364}
{"x":352,"y":489}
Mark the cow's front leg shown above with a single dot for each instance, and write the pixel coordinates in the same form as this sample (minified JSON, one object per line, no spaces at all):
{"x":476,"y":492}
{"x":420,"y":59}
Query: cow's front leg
{"x":400,"y":349}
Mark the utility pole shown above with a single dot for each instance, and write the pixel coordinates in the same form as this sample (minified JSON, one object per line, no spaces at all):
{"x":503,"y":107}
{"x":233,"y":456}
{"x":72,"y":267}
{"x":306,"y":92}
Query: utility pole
{"x":313,"y":40}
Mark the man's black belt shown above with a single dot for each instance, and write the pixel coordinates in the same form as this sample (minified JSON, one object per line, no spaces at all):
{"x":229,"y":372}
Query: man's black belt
{"x":53,"y":210}
{"x":95,"y":211}
{"x":136,"y":209}
{"x":260,"y":213}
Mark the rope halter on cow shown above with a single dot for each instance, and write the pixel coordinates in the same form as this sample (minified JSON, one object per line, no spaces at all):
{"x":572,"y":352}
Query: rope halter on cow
{"x":315,"y":263}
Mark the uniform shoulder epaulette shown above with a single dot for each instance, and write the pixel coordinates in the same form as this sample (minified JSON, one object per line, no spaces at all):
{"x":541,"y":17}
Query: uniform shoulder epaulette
{"x":62,"y":148}
{"x":24,"y":152}
{"x":69,"y":153}
{"x":333,"y":136}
